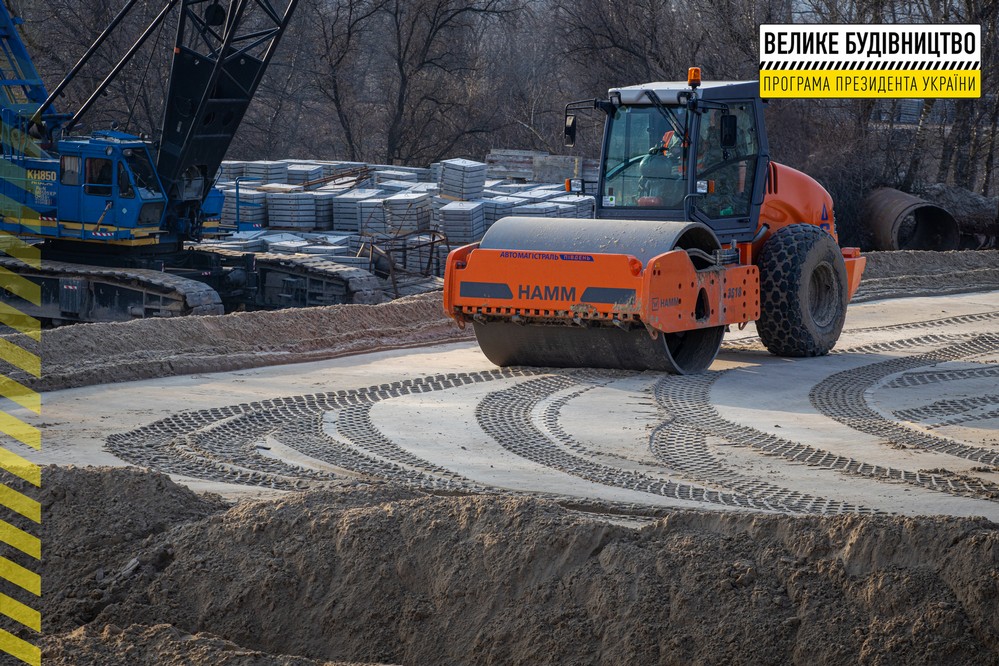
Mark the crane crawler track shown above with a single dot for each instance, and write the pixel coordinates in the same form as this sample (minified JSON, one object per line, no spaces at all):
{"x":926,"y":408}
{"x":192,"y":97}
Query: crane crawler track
{"x":325,"y":282}
{"x":77,"y":292}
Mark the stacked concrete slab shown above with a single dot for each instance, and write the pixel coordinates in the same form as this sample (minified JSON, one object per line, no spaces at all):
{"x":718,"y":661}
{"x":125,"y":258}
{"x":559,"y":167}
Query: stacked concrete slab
{"x":299,"y":174}
{"x":371,"y":213}
{"x":266,"y":171}
{"x":346,"y":216}
{"x":230,"y":170}
{"x":499,"y":207}
{"x":563,"y":210}
{"x":539,"y":194}
{"x":288,"y":247}
{"x":513,"y":188}
{"x":463,"y":221}
{"x":245,"y":241}
{"x":535,"y":210}
{"x":584,"y":205}
{"x":462,"y":179}
{"x":381,"y":175}
{"x":291,"y":210}
{"x":252,"y":207}
{"x":408,"y":212}
{"x":396,"y":185}
{"x":456,"y":197}
{"x":324,"y":208}
{"x":435,"y":172}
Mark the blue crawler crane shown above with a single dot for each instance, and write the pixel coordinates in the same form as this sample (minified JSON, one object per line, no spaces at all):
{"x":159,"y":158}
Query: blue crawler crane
{"x":112,"y":211}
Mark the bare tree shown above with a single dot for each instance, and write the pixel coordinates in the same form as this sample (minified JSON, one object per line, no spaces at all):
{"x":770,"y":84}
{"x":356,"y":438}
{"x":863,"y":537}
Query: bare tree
{"x":432,"y":60}
{"x":57,"y":33}
{"x":412,"y":81}
{"x":345,"y":31}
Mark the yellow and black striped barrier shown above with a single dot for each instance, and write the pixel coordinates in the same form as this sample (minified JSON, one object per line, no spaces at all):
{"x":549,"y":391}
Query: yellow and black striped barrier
{"x":19,"y":563}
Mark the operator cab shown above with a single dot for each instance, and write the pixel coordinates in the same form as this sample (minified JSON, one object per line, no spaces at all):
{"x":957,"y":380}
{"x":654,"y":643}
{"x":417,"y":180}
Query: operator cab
{"x":683,"y":151}
{"x":103,"y":188}
{"x":109,"y":180}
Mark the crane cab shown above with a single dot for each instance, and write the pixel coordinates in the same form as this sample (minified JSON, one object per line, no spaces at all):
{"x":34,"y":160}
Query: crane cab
{"x":108,"y":185}
{"x":100,"y":189}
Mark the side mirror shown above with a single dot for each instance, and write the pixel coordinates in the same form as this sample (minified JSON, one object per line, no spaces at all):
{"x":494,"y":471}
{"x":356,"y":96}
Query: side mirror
{"x":570,"y":130}
{"x":729,"y":124}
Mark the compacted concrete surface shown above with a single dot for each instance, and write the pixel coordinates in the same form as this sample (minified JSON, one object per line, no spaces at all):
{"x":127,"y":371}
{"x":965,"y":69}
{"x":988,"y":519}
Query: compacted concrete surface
{"x":901,"y":418}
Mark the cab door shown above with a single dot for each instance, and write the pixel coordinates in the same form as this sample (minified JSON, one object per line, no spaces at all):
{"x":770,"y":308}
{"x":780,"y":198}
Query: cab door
{"x":730,"y":174}
{"x":70,"y":188}
{"x":98,"y":202}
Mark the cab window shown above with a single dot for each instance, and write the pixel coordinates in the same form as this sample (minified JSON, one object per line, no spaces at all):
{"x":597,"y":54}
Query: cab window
{"x":69,"y":168}
{"x":124,"y":184}
{"x":643,"y":165}
{"x":99,"y":172}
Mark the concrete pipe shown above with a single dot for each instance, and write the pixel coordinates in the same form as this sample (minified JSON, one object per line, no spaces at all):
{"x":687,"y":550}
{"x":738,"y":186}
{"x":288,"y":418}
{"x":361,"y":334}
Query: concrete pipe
{"x":900,"y":221}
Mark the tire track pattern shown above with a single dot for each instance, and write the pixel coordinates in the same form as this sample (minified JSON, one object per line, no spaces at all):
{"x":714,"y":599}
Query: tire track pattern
{"x":690,"y":404}
{"x":551,"y":416}
{"x":506,"y":416}
{"x":685,"y":452}
{"x":842,"y":397}
{"x":951,"y":412}
{"x":930,"y":377}
{"x":224,"y":444}
{"x":680,"y":442}
{"x":230,"y":444}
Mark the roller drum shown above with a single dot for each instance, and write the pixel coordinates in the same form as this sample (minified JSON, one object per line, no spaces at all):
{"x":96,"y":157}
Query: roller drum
{"x":562,"y":344}
{"x":644,"y":239}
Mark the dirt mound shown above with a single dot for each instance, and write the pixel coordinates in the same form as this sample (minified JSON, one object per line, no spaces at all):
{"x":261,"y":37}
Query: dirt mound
{"x":905,"y":263}
{"x":92,"y":520}
{"x":87,"y":354}
{"x":162,"y":645}
{"x":907,"y":273}
{"x":378,"y":574}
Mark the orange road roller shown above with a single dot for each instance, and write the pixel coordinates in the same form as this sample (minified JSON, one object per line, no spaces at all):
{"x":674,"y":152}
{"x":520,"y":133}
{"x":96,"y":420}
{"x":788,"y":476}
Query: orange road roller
{"x":695,"y":230}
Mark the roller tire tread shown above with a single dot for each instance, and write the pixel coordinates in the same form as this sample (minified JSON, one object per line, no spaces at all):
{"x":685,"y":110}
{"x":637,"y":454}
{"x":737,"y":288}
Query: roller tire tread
{"x":786,"y":325}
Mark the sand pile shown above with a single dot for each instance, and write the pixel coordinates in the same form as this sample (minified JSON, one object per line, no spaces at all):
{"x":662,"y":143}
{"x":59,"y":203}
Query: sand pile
{"x":377,"y":574}
{"x":87,"y":354}
{"x":920,"y":273}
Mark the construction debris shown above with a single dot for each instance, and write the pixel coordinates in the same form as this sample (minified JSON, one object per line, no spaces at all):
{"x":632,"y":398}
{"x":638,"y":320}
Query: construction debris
{"x":977,"y":215}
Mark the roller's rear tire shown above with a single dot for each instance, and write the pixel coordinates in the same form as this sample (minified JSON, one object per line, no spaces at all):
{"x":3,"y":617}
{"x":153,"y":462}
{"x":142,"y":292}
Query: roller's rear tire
{"x":803,"y":291}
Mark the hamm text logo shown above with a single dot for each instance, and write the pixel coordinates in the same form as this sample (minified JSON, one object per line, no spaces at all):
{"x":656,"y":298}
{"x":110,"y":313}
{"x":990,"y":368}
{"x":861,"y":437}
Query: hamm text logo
{"x":546,"y":292}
